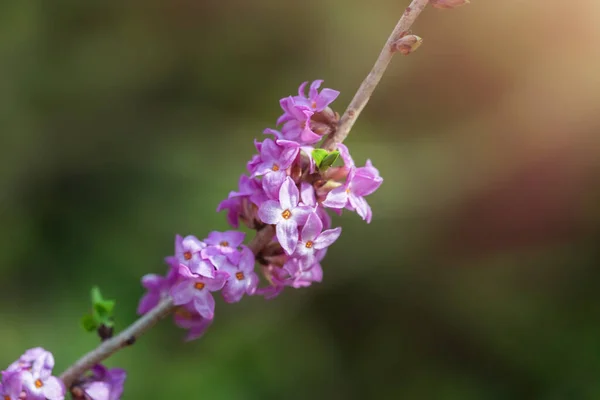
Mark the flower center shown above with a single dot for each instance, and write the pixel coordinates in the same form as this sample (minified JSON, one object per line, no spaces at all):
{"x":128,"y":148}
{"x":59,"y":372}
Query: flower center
{"x":7,"y":397}
{"x":38,"y":383}
{"x":239,"y":276}
{"x":199,"y":285}
{"x":187,"y":255}
{"x":224,"y":243}
{"x":275,"y":167}
{"x":286,"y":214}
{"x":309,"y":244}
{"x":314,"y":104}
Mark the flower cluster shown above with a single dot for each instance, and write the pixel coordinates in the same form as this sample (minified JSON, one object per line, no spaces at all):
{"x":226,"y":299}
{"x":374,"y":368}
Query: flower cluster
{"x":30,"y":377}
{"x":290,"y":184}
{"x":199,"y":267}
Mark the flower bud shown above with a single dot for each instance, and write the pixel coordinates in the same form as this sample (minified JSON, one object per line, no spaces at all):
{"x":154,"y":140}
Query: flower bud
{"x":407,"y":44}
{"x":448,"y":3}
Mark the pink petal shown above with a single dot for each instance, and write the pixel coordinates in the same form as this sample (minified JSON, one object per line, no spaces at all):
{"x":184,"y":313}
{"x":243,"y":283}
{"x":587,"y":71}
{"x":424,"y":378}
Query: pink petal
{"x":337,"y":198}
{"x":54,"y":389}
{"x":326,"y":238}
{"x":288,"y":194}
{"x":270,"y":212}
{"x":312,"y":228}
{"x":287,"y":235}
{"x":205,"y":305}
{"x":301,"y":213}
{"x":307,"y":194}
{"x":148,"y":302}
{"x":182,"y":293}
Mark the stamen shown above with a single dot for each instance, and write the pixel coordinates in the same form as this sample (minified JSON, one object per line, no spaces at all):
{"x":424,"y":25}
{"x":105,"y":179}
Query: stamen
{"x":38,"y":383}
{"x":224,"y":243}
{"x":309,"y":244}
{"x":286,"y":214}
{"x":314,"y":104}
{"x":239,"y":276}
{"x":187,"y":255}
{"x":199,"y":285}
{"x":275,"y":167}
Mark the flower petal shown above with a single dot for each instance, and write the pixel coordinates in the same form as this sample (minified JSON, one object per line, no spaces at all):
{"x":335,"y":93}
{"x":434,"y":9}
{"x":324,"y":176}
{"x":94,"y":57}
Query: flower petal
{"x":287,"y":235}
{"x":270,"y":212}
{"x":326,"y":238}
{"x":337,"y":198}
{"x":182,"y":292}
{"x":288,"y":194}
{"x":312,"y":228}
{"x":205,"y":305}
{"x":54,"y":389}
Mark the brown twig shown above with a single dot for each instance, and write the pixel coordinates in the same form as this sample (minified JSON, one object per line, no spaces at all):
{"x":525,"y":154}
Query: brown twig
{"x":362,"y":96}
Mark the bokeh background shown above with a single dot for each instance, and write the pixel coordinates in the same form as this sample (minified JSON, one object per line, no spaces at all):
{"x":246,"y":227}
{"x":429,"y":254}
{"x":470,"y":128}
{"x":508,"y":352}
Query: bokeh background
{"x":123,"y":123}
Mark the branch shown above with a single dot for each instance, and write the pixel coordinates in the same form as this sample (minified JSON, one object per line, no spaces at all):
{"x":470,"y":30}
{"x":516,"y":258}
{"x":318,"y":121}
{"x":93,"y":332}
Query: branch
{"x":362,"y":96}
{"x":264,"y":235}
{"x":123,"y":339}
{"x":147,"y":321}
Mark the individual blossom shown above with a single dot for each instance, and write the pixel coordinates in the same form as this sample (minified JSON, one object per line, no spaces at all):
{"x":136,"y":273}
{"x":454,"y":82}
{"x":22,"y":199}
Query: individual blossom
{"x":104,"y":383}
{"x":38,"y":382}
{"x":226,"y":242}
{"x":313,"y":238}
{"x":25,"y":361}
{"x":315,"y":101}
{"x":286,"y":215}
{"x":186,"y":317}
{"x":359,"y":183}
{"x":242,"y":278}
{"x":275,"y":158}
{"x":307,"y":119}
{"x":12,"y":385}
{"x":196,"y":290}
{"x":298,"y":275}
{"x":157,"y":287}
{"x":187,"y":253}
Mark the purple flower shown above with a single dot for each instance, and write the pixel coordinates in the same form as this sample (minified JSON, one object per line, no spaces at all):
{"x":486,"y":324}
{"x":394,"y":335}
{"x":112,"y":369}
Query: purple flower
{"x":242,"y":278}
{"x":187,"y":253}
{"x":360,"y":182}
{"x":313,"y":239}
{"x":105,"y":384}
{"x":226,"y":242}
{"x":304,"y":277}
{"x":12,"y":385}
{"x":187,"y":318}
{"x":276,"y":156}
{"x":296,"y":119}
{"x":25,"y":361}
{"x":157,"y":287}
{"x":315,"y":101}
{"x":39,"y":383}
{"x":285,"y":214}
{"x":196,"y":290}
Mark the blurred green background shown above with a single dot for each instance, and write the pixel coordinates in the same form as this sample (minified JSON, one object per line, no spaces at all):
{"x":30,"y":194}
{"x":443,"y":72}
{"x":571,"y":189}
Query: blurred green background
{"x":123,"y":123}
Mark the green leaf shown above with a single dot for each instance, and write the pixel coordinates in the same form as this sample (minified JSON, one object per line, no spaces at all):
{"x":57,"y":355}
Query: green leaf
{"x":102,"y":311}
{"x":88,"y":323}
{"x":329,"y":160}
{"x":96,"y":295}
{"x":318,"y":155}
{"x":104,"y":308}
